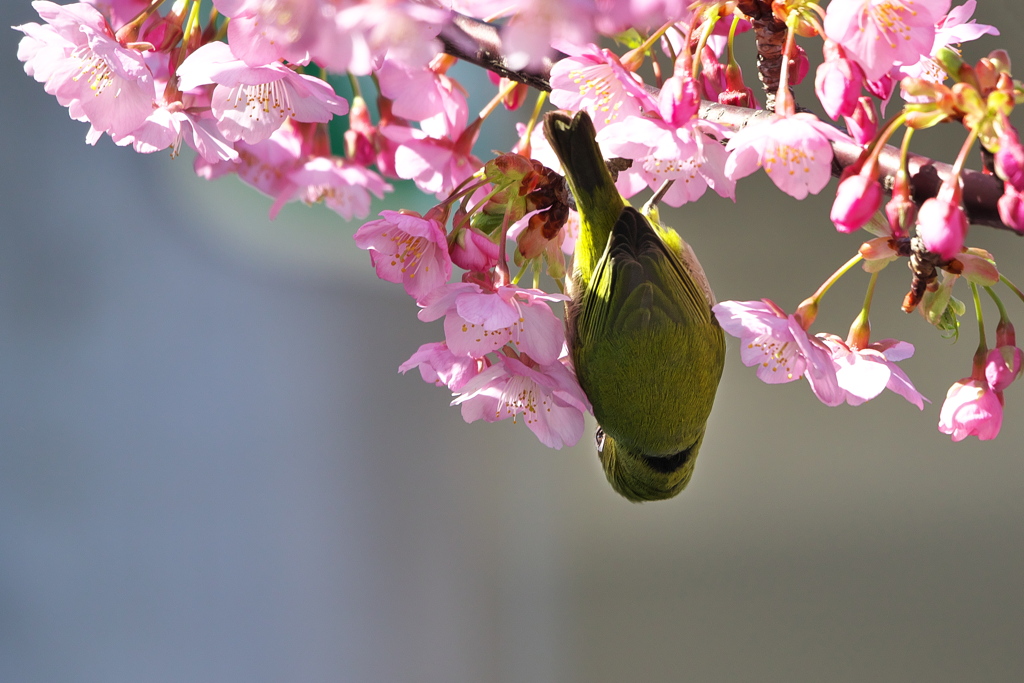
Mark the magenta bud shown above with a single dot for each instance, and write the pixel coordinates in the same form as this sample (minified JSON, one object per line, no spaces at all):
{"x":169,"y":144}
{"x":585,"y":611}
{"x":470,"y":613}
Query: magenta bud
{"x":942,"y":223}
{"x":857,"y":199}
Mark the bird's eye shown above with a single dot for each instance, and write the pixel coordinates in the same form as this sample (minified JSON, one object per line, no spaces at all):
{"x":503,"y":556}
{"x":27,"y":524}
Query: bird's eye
{"x":599,"y":439}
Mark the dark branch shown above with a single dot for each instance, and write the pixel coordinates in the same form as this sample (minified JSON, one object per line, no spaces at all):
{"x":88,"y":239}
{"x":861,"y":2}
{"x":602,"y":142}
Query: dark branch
{"x":479,"y":43}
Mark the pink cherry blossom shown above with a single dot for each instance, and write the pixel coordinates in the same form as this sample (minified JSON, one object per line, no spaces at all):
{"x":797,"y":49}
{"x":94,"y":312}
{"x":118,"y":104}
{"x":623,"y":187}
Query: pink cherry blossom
{"x":951,"y":29}
{"x":250,"y":102}
{"x":478,"y":321}
{"x":794,"y":151}
{"x":547,"y":395}
{"x":438,"y":156}
{"x":595,"y":81}
{"x":673,"y":146}
{"x":172,"y":123}
{"x":880,"y":33}
{"x":264,"y":31}
{"x":971,"y":407}
{"x":119,"y":12}
{"x":779,"y":347}
{"x":345,"y":187}
{"x":264,"y":165}
{"x":941,"y":222}
{"x":419,"y":94}
{"x":78,"y":59}
{"x":439,"y":366}
{"x":409,"y":249}
{"x":863,"y":373}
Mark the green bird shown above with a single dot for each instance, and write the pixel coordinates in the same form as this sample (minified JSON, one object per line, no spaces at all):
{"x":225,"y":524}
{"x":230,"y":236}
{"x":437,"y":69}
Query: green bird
{"x":647,"y":349}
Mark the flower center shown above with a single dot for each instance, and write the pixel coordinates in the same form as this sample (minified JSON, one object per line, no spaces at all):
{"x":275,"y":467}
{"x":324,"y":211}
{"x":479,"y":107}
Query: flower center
{"x":96,"y":70}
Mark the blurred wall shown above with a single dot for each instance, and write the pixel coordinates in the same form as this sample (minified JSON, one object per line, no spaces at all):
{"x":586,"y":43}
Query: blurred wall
{"x":211,"y":471}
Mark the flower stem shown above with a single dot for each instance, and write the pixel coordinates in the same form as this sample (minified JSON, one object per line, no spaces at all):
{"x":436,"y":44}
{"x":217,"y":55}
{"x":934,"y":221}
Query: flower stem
{"x":496,"y":100}
{"x":999,"y":304}
{"x":705,"y":33}
{"x":807,"y":311}
{"x":981,"y":319}
{"x":524,"y":141}
{"x":1013,"y":287}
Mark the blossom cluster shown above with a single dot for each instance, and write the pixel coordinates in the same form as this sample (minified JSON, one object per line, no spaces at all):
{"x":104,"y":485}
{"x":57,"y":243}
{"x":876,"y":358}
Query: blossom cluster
{"x":248,"y":89}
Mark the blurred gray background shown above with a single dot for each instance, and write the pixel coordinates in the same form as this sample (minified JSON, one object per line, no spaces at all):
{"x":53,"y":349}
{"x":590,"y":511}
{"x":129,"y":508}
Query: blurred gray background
{"x":210,"y":469}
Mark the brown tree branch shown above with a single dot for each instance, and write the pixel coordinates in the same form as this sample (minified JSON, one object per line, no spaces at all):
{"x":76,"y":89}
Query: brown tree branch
{"x":479,"y":43}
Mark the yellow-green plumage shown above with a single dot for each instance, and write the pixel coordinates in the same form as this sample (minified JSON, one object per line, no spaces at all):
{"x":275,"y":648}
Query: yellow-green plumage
{"x":647,"y":349}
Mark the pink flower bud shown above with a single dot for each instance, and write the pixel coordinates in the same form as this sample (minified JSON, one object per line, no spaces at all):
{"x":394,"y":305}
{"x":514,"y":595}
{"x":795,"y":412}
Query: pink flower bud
{"x":1010,"y":157}
{"x":857,"y":199}
{"x":971,"y":407}
{"x":837,"y":82}
{"x":472,"y":250}
{"x":1002,"y":366}
{"x":863,"y":123}
{"x":712,"y":74}
{"x":942,"y":223}
{"x":1011,"y":208}
{"x":799,"y":65}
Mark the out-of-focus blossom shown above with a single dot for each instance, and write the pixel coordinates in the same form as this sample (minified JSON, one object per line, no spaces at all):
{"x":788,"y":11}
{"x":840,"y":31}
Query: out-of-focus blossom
{"x":345,"y":187}
{"x":119,"y":12}
{"x":357,"y":37}
{"x":537,"y":25}
{"x":264,"y":31}
{"x":547,"y":395}
{"x":779,"y":347}
{"x":79,"y":61}
{"x":251,"y":102}
{"x":793,"y":150}
{"x":409,"y":249}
